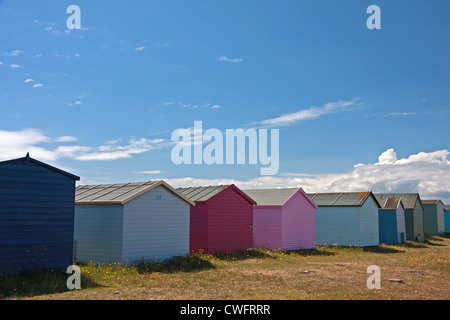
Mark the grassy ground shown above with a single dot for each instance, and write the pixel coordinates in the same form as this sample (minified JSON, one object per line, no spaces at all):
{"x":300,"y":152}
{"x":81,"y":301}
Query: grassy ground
{"x":323,"y":273}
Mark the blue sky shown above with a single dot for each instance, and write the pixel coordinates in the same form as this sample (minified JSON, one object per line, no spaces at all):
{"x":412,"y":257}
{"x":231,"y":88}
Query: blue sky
{"x":103,"y":101}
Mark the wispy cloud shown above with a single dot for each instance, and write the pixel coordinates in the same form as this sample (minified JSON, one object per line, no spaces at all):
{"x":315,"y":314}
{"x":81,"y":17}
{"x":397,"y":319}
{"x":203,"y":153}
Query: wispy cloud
{"x":16,"y":66}
{"x":149,"y":172}
{"x":307,"y":114}
{"x":15,"y":144}
{"x":29,"y":80}
{"x":396,"y":114}
{"x":38,"y":85}
{"x":139,"y":48}
{"x":75,"y":103}
{"x":66,"y":139}
{"x":14,"y":53}
{"x":199,"y":106}
{"x":44,"y":22}
{"x":225,"y":58}
{"x":114,"y":152}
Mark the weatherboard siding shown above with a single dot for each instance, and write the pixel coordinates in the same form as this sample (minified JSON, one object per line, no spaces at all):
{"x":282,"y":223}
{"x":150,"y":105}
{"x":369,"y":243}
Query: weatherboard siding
{"x":447,"y":221}
{"x":230,"y":222}
{"x":36,"y":218}
{"x":368,"y":233}
{"x":388,"y":226}
{"x":337,"y":226}
{"x":298,"y":223}
{"x":430,"y":219}
{"x":348,"y":225}
{"x":155,"y":226}
{"x":98,"y":233}
{"x":418,"y":214}
{"x":267,"y":228}
{"x":198,"y":237}
{"x":434,"y":218}
{"x":440,"y":218}
{"x":401,"y":228}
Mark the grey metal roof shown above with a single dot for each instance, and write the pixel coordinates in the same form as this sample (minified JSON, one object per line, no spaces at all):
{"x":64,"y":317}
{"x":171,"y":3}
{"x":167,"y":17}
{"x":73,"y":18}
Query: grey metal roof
{"x":343,"y":199}
{"x":270,"y":196}
{"x":447,"y":207}
{"x":201,"y":193}
{"x":431,"y":201}
{"x":119,"y":193}
{"x":408,"y":199}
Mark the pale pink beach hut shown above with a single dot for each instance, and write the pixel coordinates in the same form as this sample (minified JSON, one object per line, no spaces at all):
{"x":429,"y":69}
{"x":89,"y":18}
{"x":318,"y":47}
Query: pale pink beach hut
{"x":283,"y":219}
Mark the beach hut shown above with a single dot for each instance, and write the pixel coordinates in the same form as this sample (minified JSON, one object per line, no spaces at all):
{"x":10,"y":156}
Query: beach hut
{"x":392,"y":221}
{"x":283,"y":219}
{"x":433,"y":217}
{"x":130,"y":222}
{"x":346,"y":219}
{"x":221,"y":220}
{"x":36,"y":216}
{"x":447,"y":218}
{"x":413,"y":213}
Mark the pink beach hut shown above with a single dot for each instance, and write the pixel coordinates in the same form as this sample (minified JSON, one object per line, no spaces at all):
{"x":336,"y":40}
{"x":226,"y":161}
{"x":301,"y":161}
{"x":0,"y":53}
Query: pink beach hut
{"x":283,"y":219}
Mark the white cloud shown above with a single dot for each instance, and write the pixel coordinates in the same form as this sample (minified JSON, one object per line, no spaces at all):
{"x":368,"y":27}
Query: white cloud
{"x":29,"y":80}
{"x":66,"y":139}
{"x":196,"y":106}
{"x":15,"y":144}
{"x":306,"y":114}
{"x":38,"y":85}
{"x":387,"y":157}
{"x":14,"y":53}
{"x":15,"y":66}
{"x":113,"y":152}
{"x":139,"y":48}
{"x":149,"y":172}
{"x":75,"y":103}
{"x":393,"y":114}
{"x":44,"y":22}
{"x":427,"y":173}
{"x":1,"y":64}
{"x":225,"y":58}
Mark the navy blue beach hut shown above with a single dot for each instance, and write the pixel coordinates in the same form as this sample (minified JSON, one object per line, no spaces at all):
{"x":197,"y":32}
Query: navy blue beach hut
{"x":36,"y":216}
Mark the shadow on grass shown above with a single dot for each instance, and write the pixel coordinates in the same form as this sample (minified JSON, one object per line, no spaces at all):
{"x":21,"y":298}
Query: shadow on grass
{"x":310,"y":252}
{"x":39,"y":283}
{"x":191,"y":263}
{"x":430,"y":240}
{"x":381,"y":249}
{"x":244,"y":255}
{"x":445,"y":235}
{"x":414,"y":245}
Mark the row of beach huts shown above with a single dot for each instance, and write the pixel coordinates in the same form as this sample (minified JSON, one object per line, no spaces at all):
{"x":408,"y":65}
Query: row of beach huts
{"x":47,"y":222}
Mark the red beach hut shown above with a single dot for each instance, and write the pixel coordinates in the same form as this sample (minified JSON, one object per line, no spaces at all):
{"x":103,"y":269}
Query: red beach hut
{"x":221,"y":220}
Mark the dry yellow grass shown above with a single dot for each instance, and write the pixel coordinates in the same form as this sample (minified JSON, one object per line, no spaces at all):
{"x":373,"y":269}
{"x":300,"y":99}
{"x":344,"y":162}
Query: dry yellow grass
{"x":327,"y":273}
